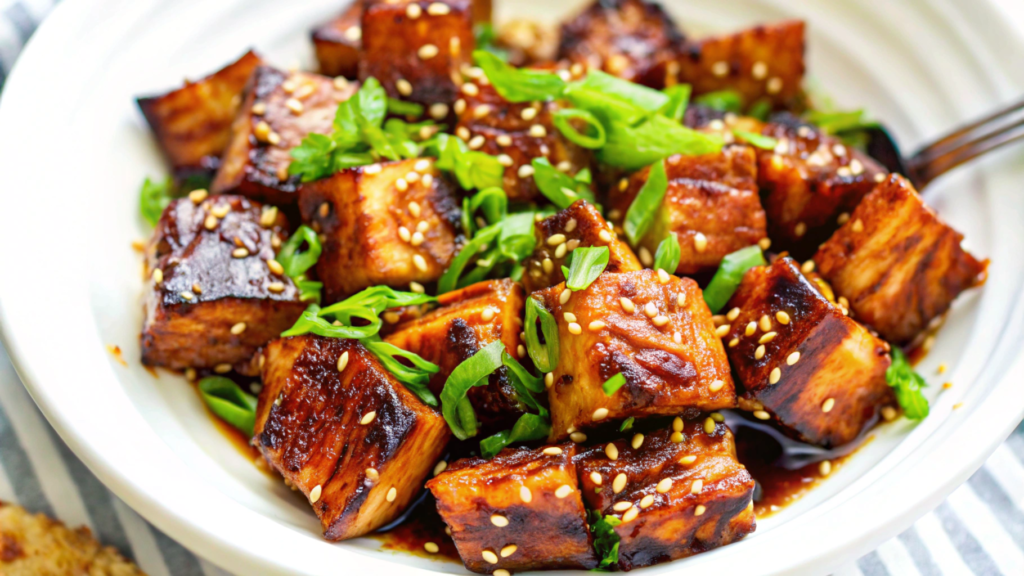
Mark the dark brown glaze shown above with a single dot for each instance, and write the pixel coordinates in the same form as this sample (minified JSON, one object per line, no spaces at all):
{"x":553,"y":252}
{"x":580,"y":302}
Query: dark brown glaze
{"x":625,"y":38}
{"x":663,"y":375}
{"x":840,"y":365}
{"x":192,"y":124}
{"x":582,"y":225}
{"x":364,"y":244}
{"x":309,"y":428}
{"x":392,"y":40}
{"x":548,"y":528}
{"x":253,"y":165}
{"x":194,"y":331}
{"x":420,"y":525}
{"x":338,"y":43}
{"x":503,"y":128}
{"x":457,"y":330}
{"x":678,"y":519}
{"x":899,"y":265}
{"x":761,"y":63}
{"x":714,"y":195}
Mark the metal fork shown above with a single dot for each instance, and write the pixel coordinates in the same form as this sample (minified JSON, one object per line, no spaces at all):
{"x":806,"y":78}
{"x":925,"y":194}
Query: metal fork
{"x":953,"y":149}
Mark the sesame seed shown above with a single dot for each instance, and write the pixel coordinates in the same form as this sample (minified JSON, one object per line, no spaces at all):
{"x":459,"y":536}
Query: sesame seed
{"x":403,"y":86}
{"x":392,"y":494}
{"x":487,"y":315}
{"x":372,"y":474}
{"x":600,"y":414}
{"x":768,"y":337}
{"x":417,"y":288}
{"x":619,"y":483}
{"x":427,"y":51}
{"x":490,"y":556}
{"x":631,"y":514}
{"x":438,"y":9}
{"x":889,"y":413}
{"x":765,"y":323}
{"x":525,"y":171}
{"x":699,"y":510}
{"x":505,"y":160}
{"x":504,"y":140}
{"x":663,"y":276}
{"x":440,"y":467}
{"x":268,"y":217}
{"x":687,"y":460}
{"x":499,"y":520}
{"x":827,"y":406}
{"x":800,"y":229}
{"x":716,"y":385}
{"x":481,"y":111}
{"x":354,"y":33}
{"x":622,"y":506}
{"x":525,"y":495}
{"x":775,"y":375}
{"x":774,"y":85}
{"x":677,"y":424}
{"x":314,"y":494}
{"x":759,"y":70}
{"x":734,"y":342}
{"x":552,"y":451}
{"x":782,"y":317}
{"x":612,"y":452}
{"x":440,"y":109}
{"x":596,"y":325}
{"x":259,"y":108}
{"x":222,"y":368}
{"x":508,"y":551}
{"x":549,"y":380}
{"x":561,"y":250}
{"x":750,"y":329}
{"x":627,"y":305}
{"x":722,"y":330}
{"x":651,"y":310}
{"x":538,"y":131}
{"x":732,"y":314}
{"x":402,"y":184}
{"x":807,"y":267}
{"x":578,"y":437}
{"x":677,"y":337}
{"x":697,"y":487}
{"x":471,"y":89}
{"x":564,"y":296}
{"x":476,"y":142}
{"x":521,"y":351}
{"x":647,"y":501}
{"x":575,"y":328}
{"x":563,"y":491}
{"x":720,"y":68}
{"x":765,"y":243}
{"x":709,"y":426}
{"x":190,"y":374}
{"x":430,"y":547}
{"x":276,"y":287}
{"x":879,"y":177}
{"x":660,"y":321}
{"x":857,"y":226}
{"x":677,"y":437}
{"x":197,"y":196}
{"x":419,"y":262}
{"x":645,"y":256}
{"x":294,"y":105}
{"x":604,"y":236}
{"x":793,"y":358}
{"x":499,"y":571}
{"x":556,"y":239}
{"x":372,"y":169}
{"x":700,"y":242}
{"x":404,"y":234}
{"x":368,"y":417}
{"x":238,"y":328}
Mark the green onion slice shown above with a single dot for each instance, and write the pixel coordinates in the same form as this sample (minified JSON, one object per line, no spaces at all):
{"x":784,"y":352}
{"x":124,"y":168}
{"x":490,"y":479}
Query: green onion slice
{"x":404,"y":108}
{"x":723,"y":101}
{"x":295,"y":262}
{"x":474,"y":371}
{"x":646,"y":204}
{"x":414,"y":377}
{"x":593,"y":135}
{"x":527,"y":427}
{"x":730,"y":274}
{"x":606,"y":107}
{"x":525,"y":384}
{"x":555,"y":185}
{"x":154,"y":197}
{"x":627,"y":424}
{"x":642,"y":97}
{"x":229,"y":402}
{"x":544,"y":356}
{"x":517,"y":84}
{"x":587,"y":264}
{"x":907,"y":384}
{"x":756,"y":140}
{"x":612,"y":385}
{"x":668,"y":254}
{"x":606,"y":539}
{"x":678,"y":100}
{"x":633,"y":147}
{"x":450,"y":279}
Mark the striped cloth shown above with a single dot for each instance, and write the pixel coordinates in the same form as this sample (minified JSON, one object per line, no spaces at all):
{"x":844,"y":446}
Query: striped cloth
{"x":978,"y":530}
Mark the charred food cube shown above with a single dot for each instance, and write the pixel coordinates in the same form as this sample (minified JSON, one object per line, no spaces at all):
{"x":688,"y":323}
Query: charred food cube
{"x":417,"y":53}
{"x":899,"y":265}
{"x":193,"y":123}
{"x":212,"y":297}
{"x":655,"y":330}
{"x":338,"y":43}
{"x":466,"y":321}
{"x":279,"y":110}
{"x":516,"y":133}
{"x":391,"y":223}
{"x":630,"y":39}
{"x":355,"y":441}
{"x":579,"y":225}
{"x":711,"y":205}
{"x":520,"y":510}
{"x":801,"y":361}
{"x":764,"y":63}
{"x":677,"y":492}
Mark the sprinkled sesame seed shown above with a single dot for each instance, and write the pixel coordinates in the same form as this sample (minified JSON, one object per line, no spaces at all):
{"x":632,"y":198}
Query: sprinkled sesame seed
{"x":561,"y":250}
{"x":552,"y":451}
{"x":490,"y":556}
{"x":764,"y":243}
{"x":793,"y":358}
{"x":238,"y":328}
{"x":564,"y":296}
{"x":699,"y":510}
{"x":259,"y":108}
{"x":889,"y":413}
{"x":734,"y":342}
{"x":222,"y":368}
{"x":782,"y":317}
{"x":647,"y":501}
{"x":677,"y":337}
{"x":276,"y":287}
{"x":392,"y":494}
{"x":612,"y":452}
{"x":402,"y":184}
{"x":774,"y":85}
{"x":651,"y":310}
{"x":430,"y":547}
{"x":525,"y":171}
{"x":354,"y":33}
{"x":627,"y":305}
{"x":827,"y":406}
{"x":197,"y":196}
{"x":775,"y":375}
{"x":499,"y":571}
{"x":596,"y":325}
{"x":372,"y":169}
{"x":372,"y":474}
{"x":419,"y":262}
{"x":759,"y":70}
{"x":622,"y":506}
{"x":404,"y":234}
{"x":575,"y":328}
{"x":645,"y":256}
{"x":604,"y":236}
{"x":676,"y":437}
{"x":599,"y":414}
{"x":663,"y":276}
{"x":709,"y":426}
{"x":438,"y":9}
{"x":521,"y":351}
{"x":240,"y":253}
{"x":538,"y":131}
{"x":619,"y":483}
{"x":476,"y":142}
{"x":524,"y":494}
{"x":440,"y":467}
{"x":504,"y":140}
{"x":857,"y":226}
{"x":499,"y":520}
{"x":768,"y":337}
{"x":722,"y":330}
{"x":687,"y":460}
{"x":368,"y":417}
{"x":732,"y":314}
{"x":563,"y":491}
{"x":765,"y":323}
{"x":549,"y":380}
{"x":807,"y":267}
{"x":417,"y":288}
{"x":505,"y":160}
{"x":716,"y":385}
{"x":403,"y":86}
{"x":700,"y":242}
{"x":314,"y":494}
{"x":471,"y":89}
{"x":508,"y":551}
{"x":720,"y":68}
{"x":427,"y":51}
{"x":800,"y":229}
{"x":631,"y":514}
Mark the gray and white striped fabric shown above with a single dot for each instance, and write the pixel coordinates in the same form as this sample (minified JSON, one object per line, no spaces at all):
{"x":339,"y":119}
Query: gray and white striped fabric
{"x":978,"y":530}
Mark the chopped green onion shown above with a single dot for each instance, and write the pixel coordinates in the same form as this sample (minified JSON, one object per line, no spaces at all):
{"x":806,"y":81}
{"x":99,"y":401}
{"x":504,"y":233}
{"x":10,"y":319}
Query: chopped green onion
{"x":525,"y":384}
{"x":627,"y":424}
{"x":587,"y":264}
{"x":756,"y":140}
{"x":760,"y":110}
{"x":907,"y":384}
{"x":414,"y":377}
{"x":554,"y":184}
{"x":527,"y":427}
{"x":612,"y":385}
{"x":309,"y":290}
{"x":730,"y":274}
{"x":450,"y":279}
{"x":517,"y":84}
{"x":562,"y":120}
{"x":492,"y":201}
{"x":229,"y":402}
{"x":668,"y":254}
{"x":517,"y":239}
{"x":659,"y":137}
{"x":366,"y":305}
{"x":544,"y":356}
{"x":474,"y":371}
{"x":154,"y":197}
{"x":723,"y":101}
{"x":647,"y":99}
{"x":646,"y":204}
{"x":835,"y":122}
{"x":678,"y":100}
{"x":487,"y":40}
{"x":294,"y":262}
{"x":607,"y":107}
{"x":471,"y":168}
{"x":584,"y":176}
{"x":606,"y":539}
{"x":403,"y":108}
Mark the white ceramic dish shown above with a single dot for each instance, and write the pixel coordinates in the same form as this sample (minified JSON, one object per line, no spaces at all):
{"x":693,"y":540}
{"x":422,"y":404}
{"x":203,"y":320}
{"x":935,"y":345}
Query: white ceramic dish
{"x":74,"y":150}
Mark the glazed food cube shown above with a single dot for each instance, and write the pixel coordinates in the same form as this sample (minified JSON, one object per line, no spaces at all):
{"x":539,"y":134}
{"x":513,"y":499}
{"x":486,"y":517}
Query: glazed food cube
{"x":344,"y":432}
{"x":279,"y":110}
{"x":213,"y":297}
{"x":416,"y":49}
{"x":581,"y":224}
{"x":338,"y":43}
{"x":516,"y":133}
{"x":655,"y":330}
{"x":391,"y":223}
{"x":625,"y":38}
{"x":518,"y":511}
{"x":711,"y":205}
{"x":897,"y":263}
{"x":761,"y":63}
{"x":801,"y":361}
{"x":193,"y":123}
{"x":465,"y":322}
{"x":677,"y":493}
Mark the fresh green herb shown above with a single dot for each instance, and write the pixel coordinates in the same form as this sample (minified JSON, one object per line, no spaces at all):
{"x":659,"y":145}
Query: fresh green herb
{"x":518,"y":84}
{"x":836,"y":122}
{"x":646,"y":204}
{"x":668,"y":254}
{"x":509,"y":240}
{"x":678,"y":100}
{"x":229,"y":402}
{"x":723,"y":101}
{"x":472,"y":169}
{"x":544,"y":356}
{"x":474,"y":371}
{"x":487,"y":40}
{"x":756,"y":140}
{"x":760,"y":110}
{"x":593,"y":135}
{"x":154,"y":197}
{"x":365,"y":306}
{"x":493,"y":202}
{"x":627,"y":424}
{"x":606,"y":107}
{"x":657,"y":138}
{"x":606,"y":540}
{"x":907,"y":384}
{"x":414,"y":377}
{"x":612,"y":385}
{"x":525,"y":384}
{"x":558,"y":187}
{"x":309,"y":290}
{"x":450,"y":279}
{"x":404,"y":108}
{"x":527,"y":427}
{"x":729,"y":275}
{"x":295,"y":262}
{"x":642,"y":97}
{"x":587,"y":264}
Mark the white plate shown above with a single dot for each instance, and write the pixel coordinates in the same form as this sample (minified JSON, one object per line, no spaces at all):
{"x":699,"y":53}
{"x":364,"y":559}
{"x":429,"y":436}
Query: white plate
{"x":75,"y":149}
